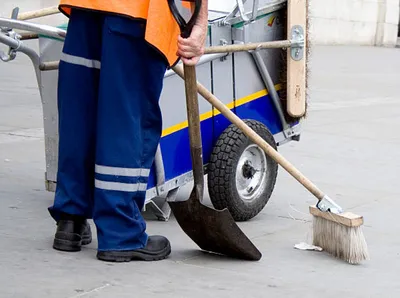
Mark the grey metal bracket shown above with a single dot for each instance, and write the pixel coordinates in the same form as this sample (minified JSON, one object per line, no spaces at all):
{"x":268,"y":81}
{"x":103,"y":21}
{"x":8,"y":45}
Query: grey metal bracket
{"x":160,"y":172}
{"x":297,"y":43}
{"x":251,"y":16}
{"x":240,"y":8}
{"x":255,"y":11}
{"x":160,"y":208}
{"x":328,"y":205}
{"x":223,"y":42}
{"x":12,"y":52}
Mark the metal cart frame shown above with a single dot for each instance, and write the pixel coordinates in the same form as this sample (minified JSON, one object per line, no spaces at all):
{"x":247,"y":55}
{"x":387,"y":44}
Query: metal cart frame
{"x":247,"y":82}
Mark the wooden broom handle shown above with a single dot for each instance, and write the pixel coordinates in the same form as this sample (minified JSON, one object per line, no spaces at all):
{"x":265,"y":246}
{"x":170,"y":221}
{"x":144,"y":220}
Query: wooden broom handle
{"x":255,"y":137}
{"x":38,"y":13}
{"x":279,"y":44}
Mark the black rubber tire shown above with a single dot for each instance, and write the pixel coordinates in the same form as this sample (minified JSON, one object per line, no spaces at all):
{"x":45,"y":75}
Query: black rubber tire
{"x":222,"y":172}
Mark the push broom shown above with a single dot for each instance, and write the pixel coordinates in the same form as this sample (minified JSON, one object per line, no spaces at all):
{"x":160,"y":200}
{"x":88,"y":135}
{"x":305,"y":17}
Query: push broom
{"x":338,"y":233}
{"x":335,"y":231}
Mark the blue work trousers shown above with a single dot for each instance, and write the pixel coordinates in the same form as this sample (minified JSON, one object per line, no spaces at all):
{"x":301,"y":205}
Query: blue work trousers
{"x":110,"y":125}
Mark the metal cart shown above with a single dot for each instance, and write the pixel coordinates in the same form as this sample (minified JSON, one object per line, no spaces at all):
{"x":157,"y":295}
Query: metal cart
{"x":241,"y":176}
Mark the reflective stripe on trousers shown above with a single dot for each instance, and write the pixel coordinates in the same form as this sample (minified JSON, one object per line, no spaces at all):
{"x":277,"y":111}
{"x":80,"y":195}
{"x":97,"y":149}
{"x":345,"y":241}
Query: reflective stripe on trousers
{"x":110,"y":82}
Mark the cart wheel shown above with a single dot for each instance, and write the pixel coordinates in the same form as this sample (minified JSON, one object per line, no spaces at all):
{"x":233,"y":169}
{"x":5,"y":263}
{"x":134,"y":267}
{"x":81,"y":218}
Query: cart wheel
{"x":241,"y":176}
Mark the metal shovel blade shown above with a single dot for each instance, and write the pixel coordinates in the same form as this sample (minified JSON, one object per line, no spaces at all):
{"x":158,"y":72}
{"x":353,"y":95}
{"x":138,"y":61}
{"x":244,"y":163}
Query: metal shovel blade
{"x":213,"y":230}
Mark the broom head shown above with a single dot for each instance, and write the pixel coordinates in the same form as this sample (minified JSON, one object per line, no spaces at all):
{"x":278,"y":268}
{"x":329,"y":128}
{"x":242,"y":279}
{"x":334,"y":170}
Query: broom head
{"x":340,"y":235}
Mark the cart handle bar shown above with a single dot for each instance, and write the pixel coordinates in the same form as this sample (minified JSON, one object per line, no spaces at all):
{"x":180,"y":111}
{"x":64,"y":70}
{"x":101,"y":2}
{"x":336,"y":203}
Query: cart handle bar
{"x":37,"y":28}
{"x":59,"y":33}
{"x":210,"y":51}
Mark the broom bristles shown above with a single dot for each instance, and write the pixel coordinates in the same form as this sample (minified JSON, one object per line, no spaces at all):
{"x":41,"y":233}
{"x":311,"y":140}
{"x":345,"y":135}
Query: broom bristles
{"x":346,"y":243}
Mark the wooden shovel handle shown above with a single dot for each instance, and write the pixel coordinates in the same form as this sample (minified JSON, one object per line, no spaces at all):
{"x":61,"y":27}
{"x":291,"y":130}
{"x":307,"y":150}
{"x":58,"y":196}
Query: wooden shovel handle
{"x":38,"y":13}
{"x":193,"y":115}
{"x":255,"y":137}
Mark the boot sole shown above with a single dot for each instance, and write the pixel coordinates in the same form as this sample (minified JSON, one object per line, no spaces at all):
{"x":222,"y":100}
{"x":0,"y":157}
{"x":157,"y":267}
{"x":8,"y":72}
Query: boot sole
{"x":127,"y":256}
{"x":70,"y":246}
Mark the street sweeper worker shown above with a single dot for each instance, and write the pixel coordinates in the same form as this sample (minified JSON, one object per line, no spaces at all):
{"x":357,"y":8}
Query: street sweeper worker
{"x":110,"y":78}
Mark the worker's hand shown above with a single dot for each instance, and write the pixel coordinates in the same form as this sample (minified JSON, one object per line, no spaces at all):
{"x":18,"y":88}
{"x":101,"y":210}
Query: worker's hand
{"x":192,"y":48}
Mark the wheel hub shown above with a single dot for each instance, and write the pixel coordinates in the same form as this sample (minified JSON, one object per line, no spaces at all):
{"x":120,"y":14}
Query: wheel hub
{"x":248,"y":170}
{"x":251,"y":173}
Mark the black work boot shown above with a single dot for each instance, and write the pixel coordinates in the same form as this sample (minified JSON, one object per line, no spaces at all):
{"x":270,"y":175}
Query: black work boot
{"x":72,"y":232}
{"x":157,"y":248}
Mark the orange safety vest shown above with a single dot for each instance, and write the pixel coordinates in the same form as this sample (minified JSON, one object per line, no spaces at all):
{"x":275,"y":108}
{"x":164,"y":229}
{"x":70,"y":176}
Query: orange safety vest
{"x":161,"y":29}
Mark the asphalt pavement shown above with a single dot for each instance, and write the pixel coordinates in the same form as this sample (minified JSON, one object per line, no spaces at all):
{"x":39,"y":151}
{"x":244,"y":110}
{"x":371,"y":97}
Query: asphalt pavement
{"x":349,"y":147}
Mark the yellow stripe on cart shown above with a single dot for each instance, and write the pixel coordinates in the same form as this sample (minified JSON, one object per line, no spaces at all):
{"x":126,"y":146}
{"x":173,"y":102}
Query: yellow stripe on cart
{"x":174,"y":128}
